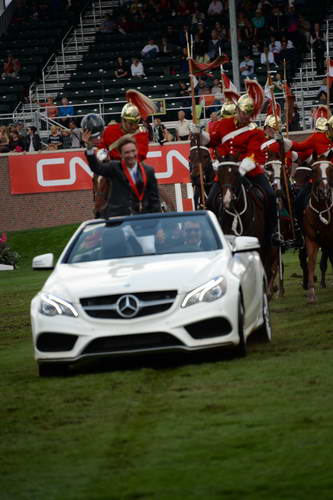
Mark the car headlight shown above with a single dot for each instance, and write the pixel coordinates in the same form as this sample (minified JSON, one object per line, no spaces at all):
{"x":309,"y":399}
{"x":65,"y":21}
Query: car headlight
{"x":51,"y":306}
{"x":208,"y":292}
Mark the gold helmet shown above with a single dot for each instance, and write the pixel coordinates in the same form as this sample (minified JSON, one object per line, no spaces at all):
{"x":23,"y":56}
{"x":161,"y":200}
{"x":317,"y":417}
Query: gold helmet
{"x":228,"y":109}
{"x":251,"y":102}
{"x":246,"y":104}
{"x":321,"y":124}
{"x":273,"y":122}
{"x":131,"y":113}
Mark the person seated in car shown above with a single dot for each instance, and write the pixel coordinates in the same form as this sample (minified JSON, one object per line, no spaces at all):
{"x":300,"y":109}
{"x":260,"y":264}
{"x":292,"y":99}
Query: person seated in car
{"x":192,"y":233}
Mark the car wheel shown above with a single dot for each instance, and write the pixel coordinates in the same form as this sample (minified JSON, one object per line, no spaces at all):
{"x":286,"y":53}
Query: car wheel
{"x":240,"y":349}
{"x":52,"y":370}
{"x":264,"y":332}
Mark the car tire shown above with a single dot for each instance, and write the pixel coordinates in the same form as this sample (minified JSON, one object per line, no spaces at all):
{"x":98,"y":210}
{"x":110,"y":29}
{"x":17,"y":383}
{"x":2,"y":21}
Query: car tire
{"x":52,"y":370}
{"x":263,"y":334}
{"x":241,"y":349}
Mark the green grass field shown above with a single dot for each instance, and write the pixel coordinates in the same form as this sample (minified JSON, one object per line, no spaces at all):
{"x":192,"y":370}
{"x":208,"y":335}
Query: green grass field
{"x":208,"y":427}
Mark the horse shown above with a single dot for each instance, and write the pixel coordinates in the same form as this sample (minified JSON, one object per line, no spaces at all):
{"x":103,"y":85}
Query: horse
{"x":318,"y":218}
{"x":200,"y":159}
{"x":240,"y":208}
{"x":287,"y":227}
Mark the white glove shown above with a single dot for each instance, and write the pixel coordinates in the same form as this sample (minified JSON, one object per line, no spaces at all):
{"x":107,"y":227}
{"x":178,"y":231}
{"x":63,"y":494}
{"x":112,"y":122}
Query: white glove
{"x":246,"y":165}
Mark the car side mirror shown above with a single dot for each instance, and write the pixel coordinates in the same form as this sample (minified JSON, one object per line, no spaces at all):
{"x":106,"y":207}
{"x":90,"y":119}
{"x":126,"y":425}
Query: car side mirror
{"x":245,"y":244}
{"x":43,"y":262}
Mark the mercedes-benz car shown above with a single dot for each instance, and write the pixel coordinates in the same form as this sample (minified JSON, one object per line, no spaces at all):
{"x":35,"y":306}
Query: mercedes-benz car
{"x":148,"y":283}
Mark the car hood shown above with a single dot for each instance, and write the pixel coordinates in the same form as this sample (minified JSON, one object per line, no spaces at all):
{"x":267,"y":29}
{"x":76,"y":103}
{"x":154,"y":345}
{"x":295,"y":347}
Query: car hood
{"x":181,"y":272}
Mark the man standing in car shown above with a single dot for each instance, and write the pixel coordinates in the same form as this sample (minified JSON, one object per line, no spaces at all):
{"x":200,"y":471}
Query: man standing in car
{"x":134,"y":184}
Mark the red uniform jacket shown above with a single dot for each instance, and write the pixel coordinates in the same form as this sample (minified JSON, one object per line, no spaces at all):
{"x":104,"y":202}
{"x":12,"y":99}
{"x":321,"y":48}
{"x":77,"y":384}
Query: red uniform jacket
{"x":239,"y":141}
{"x":271,"y":145}
{"x":318,"y":142}
{"x":114,"y":132}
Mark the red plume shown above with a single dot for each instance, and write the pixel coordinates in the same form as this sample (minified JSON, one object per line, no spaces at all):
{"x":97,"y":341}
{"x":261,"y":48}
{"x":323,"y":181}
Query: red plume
{"x":145,"y":105}
{"x":231,"y":95}
{"x":255,"y":91}
{"x":321,"y":112}
{"x":270,"y":108}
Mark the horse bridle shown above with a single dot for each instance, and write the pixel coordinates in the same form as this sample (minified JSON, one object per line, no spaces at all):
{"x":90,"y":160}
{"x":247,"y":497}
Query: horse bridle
{"x":320,"y":213}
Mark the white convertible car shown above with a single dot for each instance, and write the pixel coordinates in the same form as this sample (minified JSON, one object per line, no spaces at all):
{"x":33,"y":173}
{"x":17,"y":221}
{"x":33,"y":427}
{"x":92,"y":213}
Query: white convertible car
{"x":148,"y":283}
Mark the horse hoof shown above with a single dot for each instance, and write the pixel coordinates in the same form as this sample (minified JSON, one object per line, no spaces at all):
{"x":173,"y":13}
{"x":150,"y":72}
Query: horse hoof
{"x":311,"y":296}
{"x":322,"y":285}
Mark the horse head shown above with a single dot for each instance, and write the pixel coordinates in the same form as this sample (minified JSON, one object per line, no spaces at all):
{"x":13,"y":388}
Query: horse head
{"x":200,"y":155}
{"x":273,"y":169}
{"x":323,"y":179}
{"x":302,"y":175}
{"x":229,"y":178}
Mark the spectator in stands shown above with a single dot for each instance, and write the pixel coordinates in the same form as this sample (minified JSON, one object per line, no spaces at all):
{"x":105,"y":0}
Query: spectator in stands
{"x":182,"y":127}
{"x":276,"y":21}
{"x":274,"y":46}
{"x":202,"y":88}
{"x":319,"y":49}
{"x":16,"y":142}
{"x":51,"y":108}
{"x":108,"y":25}
{"x":75,"y":134}
{"x":20,"y":128}
{"x":259,"y":23}
{"x":32,"y":140}
{"x":216,"y":91}
{"x":322,"y":97}
{"x":55,"y":140}
{"x":137,"y":69}
{"x":159,"y":131}
{"x":65,"y":111}
{"x":121,"y":70}
{"x":197,"y":17}
{"x":167,"y":48}
{"x":214,"y":45}
{"x":267,"y":58}
{"x":215,"y":8}
{"x":11,"y":67}
{"x":246,"y":67}
{"x":294,"y":123}
{"x":150,"y":49}
{"x":4,"y":139}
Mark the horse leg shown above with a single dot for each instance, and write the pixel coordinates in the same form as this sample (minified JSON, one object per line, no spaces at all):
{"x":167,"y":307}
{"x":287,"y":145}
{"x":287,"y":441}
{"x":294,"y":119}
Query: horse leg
{"x":312,"y":250}
{"x":302,"y":257}
{"x":323,"y":266}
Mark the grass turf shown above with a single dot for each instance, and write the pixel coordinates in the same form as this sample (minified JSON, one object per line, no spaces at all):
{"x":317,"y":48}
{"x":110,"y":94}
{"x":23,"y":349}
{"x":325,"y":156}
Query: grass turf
{"x":160,"y":428}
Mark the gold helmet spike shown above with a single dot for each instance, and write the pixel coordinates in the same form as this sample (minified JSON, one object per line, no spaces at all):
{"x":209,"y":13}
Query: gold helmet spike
{"x":228,"y":109}
{"x":321,"y":124}
{"x":273,"y":122}
{"x":130,"y":113}
{"x":246,"y":104}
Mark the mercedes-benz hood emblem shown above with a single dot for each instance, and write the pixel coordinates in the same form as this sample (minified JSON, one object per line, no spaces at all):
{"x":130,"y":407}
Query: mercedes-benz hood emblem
{"x":128,"y":306}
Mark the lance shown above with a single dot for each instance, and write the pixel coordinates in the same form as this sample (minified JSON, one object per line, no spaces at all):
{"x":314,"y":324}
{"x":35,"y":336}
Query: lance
{"x":327,"y":66}
{"x":195,"y":118}
{"x":284,"y":172}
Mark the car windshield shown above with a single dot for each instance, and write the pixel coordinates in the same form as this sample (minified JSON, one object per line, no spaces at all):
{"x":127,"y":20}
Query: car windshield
{"x":144,"y":236}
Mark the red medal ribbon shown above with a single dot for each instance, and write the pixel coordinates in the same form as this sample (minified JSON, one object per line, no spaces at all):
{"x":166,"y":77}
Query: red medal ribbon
{"x":132,"y":183}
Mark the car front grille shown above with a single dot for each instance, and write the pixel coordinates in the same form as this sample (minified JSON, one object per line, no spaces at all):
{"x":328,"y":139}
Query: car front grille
{"x":131,"y":342}
{"x":105,"y":307}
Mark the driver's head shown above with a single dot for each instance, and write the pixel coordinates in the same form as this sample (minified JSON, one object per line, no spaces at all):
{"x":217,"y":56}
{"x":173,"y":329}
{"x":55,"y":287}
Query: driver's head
{"x":192,"y":232}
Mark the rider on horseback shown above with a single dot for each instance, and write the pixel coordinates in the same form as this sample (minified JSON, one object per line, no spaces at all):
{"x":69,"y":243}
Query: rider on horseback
{"x":241,"y":138}
{"x":321,"y":143}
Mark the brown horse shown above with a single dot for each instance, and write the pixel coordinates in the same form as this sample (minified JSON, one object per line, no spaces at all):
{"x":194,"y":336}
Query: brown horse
{"x":240,"y":208}
{"x":318,"y":218}
{"x":200,"y":155}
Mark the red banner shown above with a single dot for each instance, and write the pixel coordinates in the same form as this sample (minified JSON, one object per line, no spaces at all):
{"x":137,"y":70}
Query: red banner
{"x":69,"y":171}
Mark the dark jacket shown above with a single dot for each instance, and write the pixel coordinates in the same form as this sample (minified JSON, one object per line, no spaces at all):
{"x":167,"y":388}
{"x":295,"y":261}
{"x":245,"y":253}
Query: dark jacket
{"x":35,"y":141}
{"x":123,"y":200}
